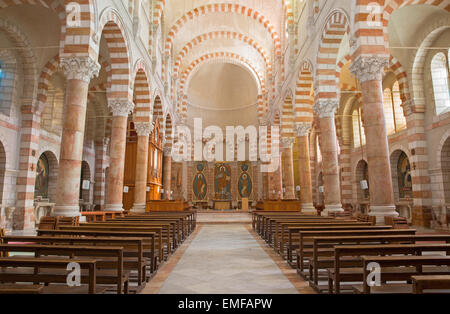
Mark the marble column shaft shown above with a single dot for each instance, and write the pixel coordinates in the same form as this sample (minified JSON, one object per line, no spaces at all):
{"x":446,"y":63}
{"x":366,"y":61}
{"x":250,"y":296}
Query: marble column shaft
{"x":79,"y":71}
{"x":288,"y":163}
{"x":143,"y":130}
{"x":167,"y":173}
{"x":369,"y":71}
{"x":120,"y":110}
{"x":325,"y":110}
{"x":304,"y":168}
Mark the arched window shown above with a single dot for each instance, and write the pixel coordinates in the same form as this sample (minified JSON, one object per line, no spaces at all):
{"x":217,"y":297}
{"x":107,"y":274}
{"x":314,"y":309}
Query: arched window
{"x":439,"y":76}
{"x":319,"y":153}
{"x":359,"y":136}
{"x":393,"y":112}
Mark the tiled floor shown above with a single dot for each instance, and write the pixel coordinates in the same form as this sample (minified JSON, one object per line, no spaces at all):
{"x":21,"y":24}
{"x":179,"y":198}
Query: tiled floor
{"x":223,"y":258}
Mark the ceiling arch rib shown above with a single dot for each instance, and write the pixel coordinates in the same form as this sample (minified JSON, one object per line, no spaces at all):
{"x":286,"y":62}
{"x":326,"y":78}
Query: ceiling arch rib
{"x":221,"y":57}
{"x":222,"y":8}
{"x":222,"y":34}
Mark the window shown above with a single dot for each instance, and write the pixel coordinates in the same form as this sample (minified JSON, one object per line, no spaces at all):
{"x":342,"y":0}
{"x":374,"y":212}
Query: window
{"x":393,"y":112}
{"x":1,"y":73}
{"x":359,"y":136}
{"x":439,"y":76}
{"x":319,"y":153}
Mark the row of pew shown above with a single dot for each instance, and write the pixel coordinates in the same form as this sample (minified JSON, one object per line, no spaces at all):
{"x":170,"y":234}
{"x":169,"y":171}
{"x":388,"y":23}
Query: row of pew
{"x":117,"y":255}
{"x":350,"y":255}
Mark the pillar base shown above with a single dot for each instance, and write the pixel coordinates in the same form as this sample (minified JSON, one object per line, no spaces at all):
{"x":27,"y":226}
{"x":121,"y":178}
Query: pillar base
{"x":138,"y":208}
{"x":308,"y":208}
{"x":332,"y":209}
{"x":382,"y":211}
{"x":114,"y":208}
{"x":66,"y":211}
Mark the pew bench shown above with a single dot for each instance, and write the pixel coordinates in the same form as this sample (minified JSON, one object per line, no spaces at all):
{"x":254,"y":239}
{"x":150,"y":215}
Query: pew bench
{"x":109,"y":271}
{"x":133,"y":249}
{"x":422,"y":264}
{"x":20,"y":289}
{"x":340,"y":273}
{"x":422,"y":283}
{"x":34,"y":275}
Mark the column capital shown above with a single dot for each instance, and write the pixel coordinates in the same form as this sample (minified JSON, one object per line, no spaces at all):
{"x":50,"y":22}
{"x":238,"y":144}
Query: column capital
{"x":120,"y":107}
{"x":303,"y":128}
{"x":326,"y":108}
{"x":369,"y":68}
{"x":263,"y":121}
{"x":80,"y":68}
{"x":287,"y":142}
{"x":144,"y":128}
{"x":167,"y":151}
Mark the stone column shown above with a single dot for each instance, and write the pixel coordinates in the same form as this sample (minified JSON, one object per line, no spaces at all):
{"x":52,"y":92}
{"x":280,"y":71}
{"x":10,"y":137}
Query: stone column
{"x":288,"y":163}
{"x":305,"y":168}
{"x":120,"y":109}
{"x":167,"y":172}
{"x":275,"y":182}
{"x":369,"y":71}
{"x":79,"y":71}
{"x":143,"y":130}
{"x":101,"y":148}
{"x":325,"y":109}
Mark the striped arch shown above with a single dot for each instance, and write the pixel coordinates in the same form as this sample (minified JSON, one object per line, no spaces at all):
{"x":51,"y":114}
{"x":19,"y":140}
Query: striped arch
{"x":287,"y":117}
{"x":114,"y":32}
{"x":79,"y":39}
{"x":224,"y":8}
{"x":168,"y":131}
{"x":392,"y":5}
{"x":158,"y":113}
{"x":141,"y":92}
{"x":289,"y":12}
{"x":158,"y":9}
{"x":28,"y":61}
{"x":221,"y":34}
{"x":303,"y":98}
{"x":400,"y":73}
{"x":217,"y":57}
{"x":54,"y":5}
{"x":336,"y":27}
{"x":44,"y":79}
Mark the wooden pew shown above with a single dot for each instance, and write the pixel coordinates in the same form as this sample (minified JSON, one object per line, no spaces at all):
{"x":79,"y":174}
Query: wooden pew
{"x":307,"y":237}
{"x":20,"y":289}
{"x":400,"y":262}
{"x":338,"y":274}
{"x":133,"y":248}
{"x":14,"y":263}
{"x":430,"y":282}
{"x":148,"y":237}
{"x":108,"y":271}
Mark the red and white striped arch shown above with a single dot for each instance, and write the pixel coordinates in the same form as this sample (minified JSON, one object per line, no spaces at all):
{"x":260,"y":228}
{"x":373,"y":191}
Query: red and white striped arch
{"x":287,"y":117}
{"x":157,"y":112}
{"x":303,"y":99}
{"x":115,"y":35}
{"x":336,"y":27}
{"x":377,"y":35}
{"x":222,"y":8}
{"x":141,"y":91}
{"x":222,"y":34}
{"x":168,"y":131}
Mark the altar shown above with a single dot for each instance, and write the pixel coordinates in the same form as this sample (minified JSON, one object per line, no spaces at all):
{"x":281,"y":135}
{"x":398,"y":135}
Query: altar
{"x":222,"y":205}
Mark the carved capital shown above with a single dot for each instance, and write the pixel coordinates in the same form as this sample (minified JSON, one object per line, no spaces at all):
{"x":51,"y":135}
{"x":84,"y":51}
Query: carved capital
{"x":287,"y":142}
{"x":303,"y":128}
{"x":120,"y":107}
{"x":369,"y":68}
{"x":80,"y":68}
{"x":263,"y":121}
{"x":167,"y":151}
{"x":144,"y":128}
{"x":326,"y":108}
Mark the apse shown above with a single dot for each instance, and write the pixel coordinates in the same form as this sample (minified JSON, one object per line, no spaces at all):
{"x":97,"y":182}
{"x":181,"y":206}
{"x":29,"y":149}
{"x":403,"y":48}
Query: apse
{"x":223,"y":94}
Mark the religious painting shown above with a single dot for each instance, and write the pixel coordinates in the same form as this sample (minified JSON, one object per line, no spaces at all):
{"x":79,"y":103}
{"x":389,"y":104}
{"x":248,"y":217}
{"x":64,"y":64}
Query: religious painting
{"x":222,"y":181}
{"x":245,"y":185}
{"x":42,"y":175}
{"x":404,"y":177}
{"x":199,"y":184}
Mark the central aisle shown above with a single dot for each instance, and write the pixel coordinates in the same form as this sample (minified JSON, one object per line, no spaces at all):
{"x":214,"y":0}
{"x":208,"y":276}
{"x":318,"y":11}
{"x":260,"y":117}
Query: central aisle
{"x":226,"y":258}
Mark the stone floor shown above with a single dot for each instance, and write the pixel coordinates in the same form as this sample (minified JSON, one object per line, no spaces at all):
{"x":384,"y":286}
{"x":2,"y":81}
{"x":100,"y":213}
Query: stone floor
{"x":225,"y":258}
